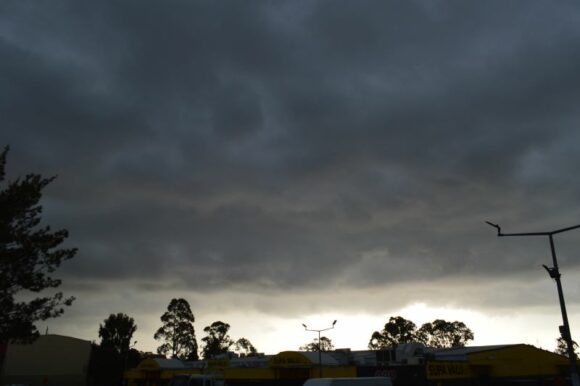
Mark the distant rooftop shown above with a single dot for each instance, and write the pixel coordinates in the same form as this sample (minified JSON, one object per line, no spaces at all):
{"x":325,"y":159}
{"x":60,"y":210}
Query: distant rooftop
{"x":460,"y":353}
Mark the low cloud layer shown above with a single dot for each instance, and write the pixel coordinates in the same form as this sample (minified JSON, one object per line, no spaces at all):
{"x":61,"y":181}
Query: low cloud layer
{"x":295,"y":146}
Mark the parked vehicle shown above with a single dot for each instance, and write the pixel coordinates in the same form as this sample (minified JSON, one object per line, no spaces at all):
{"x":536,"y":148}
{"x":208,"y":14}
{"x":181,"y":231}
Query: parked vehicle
{"x":362,"y":381}
{"x":196,"y":380}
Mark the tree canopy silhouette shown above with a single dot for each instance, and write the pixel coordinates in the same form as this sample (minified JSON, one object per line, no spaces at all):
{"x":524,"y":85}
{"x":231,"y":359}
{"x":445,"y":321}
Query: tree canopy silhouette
{"x":217,"y":340}
{"x":28,"y":255}
{"x":177,"y":331}
{"x":443,"y":334}
{"x":562,"y":347}
{"x":397,"y":330}
{"x":114,"y":354}
{"x":117,"y":332}
{"x":245,"y":347}
{"x":325,"y":344}
{"x":439,"y":333}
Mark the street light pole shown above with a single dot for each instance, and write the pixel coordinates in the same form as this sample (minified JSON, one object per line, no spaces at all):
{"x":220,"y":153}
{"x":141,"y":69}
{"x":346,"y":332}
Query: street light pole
{"x":126,"y":357}
{"x":320,"y":345}
{"x":554,"y":273}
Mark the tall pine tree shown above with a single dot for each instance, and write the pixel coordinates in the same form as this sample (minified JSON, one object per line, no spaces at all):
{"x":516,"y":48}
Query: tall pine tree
{"x":29,"y":254}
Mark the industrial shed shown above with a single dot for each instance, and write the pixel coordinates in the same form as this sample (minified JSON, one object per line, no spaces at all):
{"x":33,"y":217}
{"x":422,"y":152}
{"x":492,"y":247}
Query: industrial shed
{"x":49,"y":360}
{"x":496,"y":365}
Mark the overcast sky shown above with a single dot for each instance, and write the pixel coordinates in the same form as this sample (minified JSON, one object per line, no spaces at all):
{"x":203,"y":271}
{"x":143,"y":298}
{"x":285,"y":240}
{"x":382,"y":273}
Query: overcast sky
{"x":286,"y":162}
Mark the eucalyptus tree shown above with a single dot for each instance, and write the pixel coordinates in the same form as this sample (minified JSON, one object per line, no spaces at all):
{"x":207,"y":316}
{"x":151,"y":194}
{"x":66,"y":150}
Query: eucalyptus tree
{"x":397,"y":330}
{"x":117,"y":331}
{"x":217,"y":341}
{"x":325,"y":344}
{"x":439,"y":333}
{"x":245,"y":347}
{"x":443,"y":334}
{"x":177,"y":331}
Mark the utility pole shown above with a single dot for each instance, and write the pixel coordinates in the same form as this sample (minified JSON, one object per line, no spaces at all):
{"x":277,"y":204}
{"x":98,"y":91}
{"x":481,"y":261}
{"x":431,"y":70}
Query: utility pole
{"x":554,"y":273}
{"x":320,"y":346}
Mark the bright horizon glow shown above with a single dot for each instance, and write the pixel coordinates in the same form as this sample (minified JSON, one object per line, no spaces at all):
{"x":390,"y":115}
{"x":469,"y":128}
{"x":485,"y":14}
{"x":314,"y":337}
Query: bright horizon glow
{"x":354,"y":331}
{"x":272,"y":335}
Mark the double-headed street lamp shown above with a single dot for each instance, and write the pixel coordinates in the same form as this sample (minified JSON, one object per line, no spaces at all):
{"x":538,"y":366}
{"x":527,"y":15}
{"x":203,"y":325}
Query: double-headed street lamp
{"x":319,"y":344}
{"x":554,"y":273}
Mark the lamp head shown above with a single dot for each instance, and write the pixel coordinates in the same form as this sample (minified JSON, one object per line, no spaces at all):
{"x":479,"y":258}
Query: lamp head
{"x":303,"y":325}
{"x":333,"y":323}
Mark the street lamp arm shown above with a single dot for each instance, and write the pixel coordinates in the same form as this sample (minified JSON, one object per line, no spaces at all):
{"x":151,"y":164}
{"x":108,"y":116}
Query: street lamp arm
{"x":565,"y":229}
{"x":499,"y":233}
{"x":324,"y":329}
{"x":495,"y":226}
{"x":527,"y":234}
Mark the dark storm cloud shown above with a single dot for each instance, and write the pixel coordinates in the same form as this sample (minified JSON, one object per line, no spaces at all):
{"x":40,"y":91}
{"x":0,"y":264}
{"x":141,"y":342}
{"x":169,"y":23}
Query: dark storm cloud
{"x":294,"y":143}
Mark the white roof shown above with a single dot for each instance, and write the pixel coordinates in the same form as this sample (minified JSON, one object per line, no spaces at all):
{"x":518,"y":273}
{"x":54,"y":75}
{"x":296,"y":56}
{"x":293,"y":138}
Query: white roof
{"x":169,"y":363}
{"x":326,"y":359}
{"x":461,"y":353}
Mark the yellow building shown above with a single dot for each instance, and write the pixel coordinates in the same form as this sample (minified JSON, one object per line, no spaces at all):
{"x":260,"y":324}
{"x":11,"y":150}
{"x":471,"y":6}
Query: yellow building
{"x":411,"y":365}
{"x":158,"y":371}
{"x":496,"y":365}
{"x":288,"y":368}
